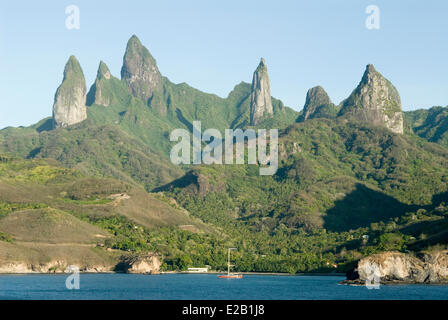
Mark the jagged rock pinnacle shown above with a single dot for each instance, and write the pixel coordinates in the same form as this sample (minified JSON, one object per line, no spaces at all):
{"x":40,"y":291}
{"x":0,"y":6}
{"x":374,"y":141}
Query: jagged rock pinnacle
{"x":97,"y":93}
{"x":260,"y":100}
{"x":70,"y":99}
{"x":103,"y":71}
{"x":315,"y":98}
{"x":140,"y":70}
{"x":375,"y":100}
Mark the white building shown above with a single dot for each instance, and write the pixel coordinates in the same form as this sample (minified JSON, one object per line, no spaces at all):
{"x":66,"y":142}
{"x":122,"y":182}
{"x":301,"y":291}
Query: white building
{"x":197,"y":270}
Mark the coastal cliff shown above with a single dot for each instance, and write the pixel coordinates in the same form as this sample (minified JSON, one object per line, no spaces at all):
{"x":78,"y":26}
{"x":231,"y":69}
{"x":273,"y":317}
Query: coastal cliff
{"x":140,"y":264}
{"x":396,"y":267}
{"x":50,"y":267}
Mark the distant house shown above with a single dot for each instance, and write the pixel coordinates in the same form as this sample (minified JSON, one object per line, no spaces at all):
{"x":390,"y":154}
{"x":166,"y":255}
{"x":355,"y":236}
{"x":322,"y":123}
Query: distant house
{"x":197,"y":270}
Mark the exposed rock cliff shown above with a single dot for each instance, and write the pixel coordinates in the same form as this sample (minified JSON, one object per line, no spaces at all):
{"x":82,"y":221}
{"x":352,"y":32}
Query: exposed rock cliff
{"x":397,"y":267}
{"x":140,"y":70}
{"x":376,"y":101}
{"x":317,"y":105}
{"x":70,"y":99}
{"x":146,"y":264}
{"x":54,"y":266}
{"x":260,"y":99}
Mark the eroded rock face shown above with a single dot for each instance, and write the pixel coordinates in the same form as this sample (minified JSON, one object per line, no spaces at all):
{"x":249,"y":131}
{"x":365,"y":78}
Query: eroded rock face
{"x":400,"y":267}
{"x":54,"y":266}
{"x":70,"y":99}
{"x":391,"y":266}
{"x":143,"y":264}
{"x":316,"y":100}
{"x":437,"y":266}
{"x":376,"y":101}
{"x":260,"y":99}
{"x":140,"y":70}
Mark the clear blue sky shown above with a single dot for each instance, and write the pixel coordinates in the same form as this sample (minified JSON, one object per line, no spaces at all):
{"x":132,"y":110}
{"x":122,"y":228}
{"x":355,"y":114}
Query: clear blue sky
{"x":213,"y":45}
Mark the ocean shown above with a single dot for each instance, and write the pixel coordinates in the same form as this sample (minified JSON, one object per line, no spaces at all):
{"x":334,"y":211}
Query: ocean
{"x":205,"y":287}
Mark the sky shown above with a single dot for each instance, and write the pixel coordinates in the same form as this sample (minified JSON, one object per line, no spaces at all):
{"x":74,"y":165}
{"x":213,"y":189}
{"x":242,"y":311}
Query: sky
{"x":214,"y":45}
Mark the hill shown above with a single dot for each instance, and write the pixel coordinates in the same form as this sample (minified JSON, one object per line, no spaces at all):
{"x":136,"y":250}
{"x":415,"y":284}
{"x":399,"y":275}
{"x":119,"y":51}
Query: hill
{"x":52,"y":217}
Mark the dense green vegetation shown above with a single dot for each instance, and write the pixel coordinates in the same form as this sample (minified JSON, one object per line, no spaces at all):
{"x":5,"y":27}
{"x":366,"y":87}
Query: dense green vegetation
{"x":337,"y":182}
{"x":430,"y":124}
{"x":129,"y":140}
{"x":342,"y":191}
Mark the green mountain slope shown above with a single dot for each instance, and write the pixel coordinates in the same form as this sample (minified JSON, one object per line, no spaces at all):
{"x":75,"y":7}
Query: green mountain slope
{"x":126,"y":136}
{"x":430,"y":124}
{"x":324,"y":164}
{"x":337,"y":181}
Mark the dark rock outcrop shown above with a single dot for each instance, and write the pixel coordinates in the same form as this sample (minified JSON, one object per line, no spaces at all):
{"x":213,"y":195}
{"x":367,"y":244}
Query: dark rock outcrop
{"x":376,"y":101}
{"x":317,"y":105}
{"x":140,"y":70}
{"x":70,"y":99}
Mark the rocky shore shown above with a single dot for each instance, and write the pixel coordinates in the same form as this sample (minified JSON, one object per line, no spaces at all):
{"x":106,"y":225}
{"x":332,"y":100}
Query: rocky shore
{"x":138,"y":264}
{"x":401,"y":268}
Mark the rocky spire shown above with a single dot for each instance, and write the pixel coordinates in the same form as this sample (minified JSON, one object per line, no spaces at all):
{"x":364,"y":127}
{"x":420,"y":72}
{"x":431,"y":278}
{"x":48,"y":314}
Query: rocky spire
{"x":375,"y":100}
{"x":97,"y":93}
{"x":140,"y":70}
{"x":316,"y":98}
{"x":70,"y":99}
{"x":103,"y":72}
{"x":260,"y":98}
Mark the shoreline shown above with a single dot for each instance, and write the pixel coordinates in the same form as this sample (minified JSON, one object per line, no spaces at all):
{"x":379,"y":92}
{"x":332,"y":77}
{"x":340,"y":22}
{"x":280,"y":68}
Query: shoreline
{"x":359,"y":283}
{"x":181,"y":272}
{"x":345,"y":282}
{"x":259,"y":273}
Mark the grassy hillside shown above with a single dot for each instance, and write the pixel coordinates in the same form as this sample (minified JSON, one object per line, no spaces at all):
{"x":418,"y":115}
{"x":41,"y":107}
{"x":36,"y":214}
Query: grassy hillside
{"x":46,"y":209}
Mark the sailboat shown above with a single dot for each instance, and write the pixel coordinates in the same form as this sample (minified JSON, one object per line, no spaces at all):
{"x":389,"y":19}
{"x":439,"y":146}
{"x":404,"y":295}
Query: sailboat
{"x":230,"y":275}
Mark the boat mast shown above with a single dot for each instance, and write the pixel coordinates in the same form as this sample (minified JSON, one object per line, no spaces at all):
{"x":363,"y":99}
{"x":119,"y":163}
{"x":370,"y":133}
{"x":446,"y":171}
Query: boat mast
{"x":228,"y":260}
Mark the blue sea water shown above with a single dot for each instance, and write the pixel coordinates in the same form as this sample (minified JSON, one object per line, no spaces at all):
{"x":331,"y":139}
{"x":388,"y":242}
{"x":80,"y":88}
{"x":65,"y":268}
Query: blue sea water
{"x":205,"y":287}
